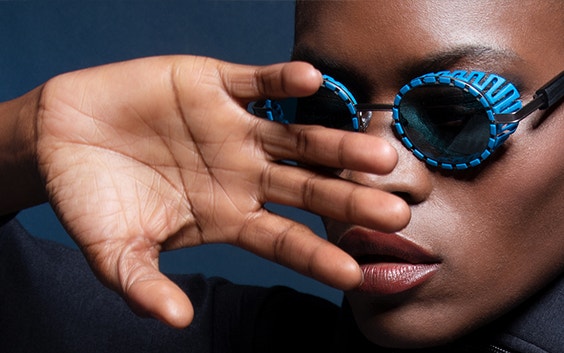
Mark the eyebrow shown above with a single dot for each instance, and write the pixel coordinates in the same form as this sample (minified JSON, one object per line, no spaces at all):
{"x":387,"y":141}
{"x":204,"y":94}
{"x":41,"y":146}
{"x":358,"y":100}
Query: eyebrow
{"x":355,"y":81}
{"x":469,"y":56}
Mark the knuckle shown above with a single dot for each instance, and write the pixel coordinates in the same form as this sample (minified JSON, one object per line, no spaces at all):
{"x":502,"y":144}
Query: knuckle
{"x":259,"y":82}
{"x":279,"y":244}
{"x":309,"y":192}
{"x":351,"y":210}
{"x":302,"y":143}
{"x":341,"y":150}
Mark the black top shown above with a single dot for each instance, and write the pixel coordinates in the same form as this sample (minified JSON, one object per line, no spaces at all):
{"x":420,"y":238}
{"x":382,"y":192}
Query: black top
{"x":51,"y":302}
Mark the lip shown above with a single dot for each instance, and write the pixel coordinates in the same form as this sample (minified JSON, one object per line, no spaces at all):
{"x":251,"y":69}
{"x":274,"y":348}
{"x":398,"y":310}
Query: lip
{"x":390,"y":263}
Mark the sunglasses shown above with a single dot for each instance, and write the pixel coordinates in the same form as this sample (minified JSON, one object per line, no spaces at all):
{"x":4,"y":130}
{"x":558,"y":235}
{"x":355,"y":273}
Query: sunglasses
{"x":448,"y":119}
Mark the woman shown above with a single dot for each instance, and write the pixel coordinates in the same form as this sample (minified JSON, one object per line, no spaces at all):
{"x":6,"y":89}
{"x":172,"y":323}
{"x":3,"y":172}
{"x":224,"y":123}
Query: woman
{"x":489,"y":236}
{"x":448,"y":257}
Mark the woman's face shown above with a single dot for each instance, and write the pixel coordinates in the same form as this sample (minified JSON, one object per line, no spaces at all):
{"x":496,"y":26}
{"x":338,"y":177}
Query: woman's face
{"x":479,"y":241}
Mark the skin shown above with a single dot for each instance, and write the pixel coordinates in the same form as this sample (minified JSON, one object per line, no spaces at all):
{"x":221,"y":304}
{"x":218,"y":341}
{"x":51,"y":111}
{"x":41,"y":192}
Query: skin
{"x":159,"y":153}
{"x":497,"y":229}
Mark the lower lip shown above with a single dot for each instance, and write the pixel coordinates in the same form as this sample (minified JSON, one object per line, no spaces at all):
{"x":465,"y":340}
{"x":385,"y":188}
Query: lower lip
{"x":393,"y":278}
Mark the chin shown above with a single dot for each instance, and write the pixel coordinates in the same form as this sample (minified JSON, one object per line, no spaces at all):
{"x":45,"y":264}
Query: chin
{"x":407,"y":340}
{"x":409,"y":328}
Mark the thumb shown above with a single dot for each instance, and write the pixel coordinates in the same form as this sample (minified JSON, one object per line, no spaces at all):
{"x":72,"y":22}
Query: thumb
{"x":153,"y":294}
{"x":134,"y":274}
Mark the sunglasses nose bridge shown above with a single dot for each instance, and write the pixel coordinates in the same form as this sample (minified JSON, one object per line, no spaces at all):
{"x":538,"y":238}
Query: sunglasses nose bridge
{"x":410,"y":179}
{"x":372,"y":116}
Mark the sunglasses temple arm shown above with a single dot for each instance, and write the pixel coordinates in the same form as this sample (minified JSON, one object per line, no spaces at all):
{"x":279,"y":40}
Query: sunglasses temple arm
{"x":544,"y":98}
{"x":554,"y":91}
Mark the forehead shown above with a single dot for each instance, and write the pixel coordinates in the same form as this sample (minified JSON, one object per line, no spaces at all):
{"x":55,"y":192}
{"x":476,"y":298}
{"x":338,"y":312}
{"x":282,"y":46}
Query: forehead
{"x":445,"y":21}
{"x":390,"y":33}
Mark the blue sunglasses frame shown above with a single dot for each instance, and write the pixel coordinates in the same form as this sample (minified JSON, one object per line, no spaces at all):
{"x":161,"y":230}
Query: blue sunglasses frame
{"x":499,"y":98}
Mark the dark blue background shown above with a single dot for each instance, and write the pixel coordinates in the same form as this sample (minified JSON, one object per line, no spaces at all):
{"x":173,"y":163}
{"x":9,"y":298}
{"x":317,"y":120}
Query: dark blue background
{"x":41,"y":39}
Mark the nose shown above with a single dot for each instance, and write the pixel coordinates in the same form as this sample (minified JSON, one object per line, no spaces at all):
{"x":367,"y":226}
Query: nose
{"x":411,"y":179}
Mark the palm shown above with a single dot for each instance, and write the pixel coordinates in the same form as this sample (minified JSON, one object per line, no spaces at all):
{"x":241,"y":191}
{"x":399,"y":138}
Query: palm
{"x":151,"y":183}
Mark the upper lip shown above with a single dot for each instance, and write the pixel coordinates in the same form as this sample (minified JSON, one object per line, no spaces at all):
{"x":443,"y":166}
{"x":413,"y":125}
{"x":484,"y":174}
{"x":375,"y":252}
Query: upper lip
{"x":369,"y":246}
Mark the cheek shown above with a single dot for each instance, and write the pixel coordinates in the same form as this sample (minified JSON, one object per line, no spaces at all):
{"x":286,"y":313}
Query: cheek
{"x":503,"y":230}
{"x":515,"y":204}
{"x":523,"y":197}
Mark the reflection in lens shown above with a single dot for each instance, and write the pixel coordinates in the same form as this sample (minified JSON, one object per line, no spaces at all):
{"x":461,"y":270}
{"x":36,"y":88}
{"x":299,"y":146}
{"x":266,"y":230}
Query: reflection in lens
{"x":445,"y":123}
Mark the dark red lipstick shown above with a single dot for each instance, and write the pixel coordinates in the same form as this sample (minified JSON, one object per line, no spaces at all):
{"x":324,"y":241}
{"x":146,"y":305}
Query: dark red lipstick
{"x":390,"y":263}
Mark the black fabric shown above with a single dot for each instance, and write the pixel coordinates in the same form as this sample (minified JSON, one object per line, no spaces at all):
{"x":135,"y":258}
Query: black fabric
{"x":51,"y":302}
{"x":293,"y":322}
{"x":536,"y":326}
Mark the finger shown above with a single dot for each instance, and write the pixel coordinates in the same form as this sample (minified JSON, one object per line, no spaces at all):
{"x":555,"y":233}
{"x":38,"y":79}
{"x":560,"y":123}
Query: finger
{"x":335,"y":198}
{"x":157,"y":296}
{"x":295,"y":79}
{"x":295,"y":246}
{"x":134,"y":274}
{"x":315,"y":145}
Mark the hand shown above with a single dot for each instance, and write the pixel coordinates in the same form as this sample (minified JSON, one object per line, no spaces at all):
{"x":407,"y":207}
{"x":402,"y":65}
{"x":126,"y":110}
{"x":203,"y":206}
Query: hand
{"x":160,"y":153}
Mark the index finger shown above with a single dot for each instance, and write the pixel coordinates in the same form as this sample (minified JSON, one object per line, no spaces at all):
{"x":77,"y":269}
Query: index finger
{"x":294,"y":79}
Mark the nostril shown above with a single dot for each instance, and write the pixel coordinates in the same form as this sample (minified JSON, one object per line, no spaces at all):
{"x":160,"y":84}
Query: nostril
{"x":409,"y":198}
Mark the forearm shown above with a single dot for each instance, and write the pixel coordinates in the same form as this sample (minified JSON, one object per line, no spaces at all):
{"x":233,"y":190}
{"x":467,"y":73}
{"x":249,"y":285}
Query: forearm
{"x":20,"y":183}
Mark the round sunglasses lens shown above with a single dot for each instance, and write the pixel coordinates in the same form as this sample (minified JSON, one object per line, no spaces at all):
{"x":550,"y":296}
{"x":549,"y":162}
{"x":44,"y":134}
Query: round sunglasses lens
{"x":444,"y":123}
{"x":324,"y":108}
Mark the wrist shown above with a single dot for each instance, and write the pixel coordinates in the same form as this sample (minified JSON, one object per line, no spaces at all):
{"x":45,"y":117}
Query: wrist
{"x":20,"y":182}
